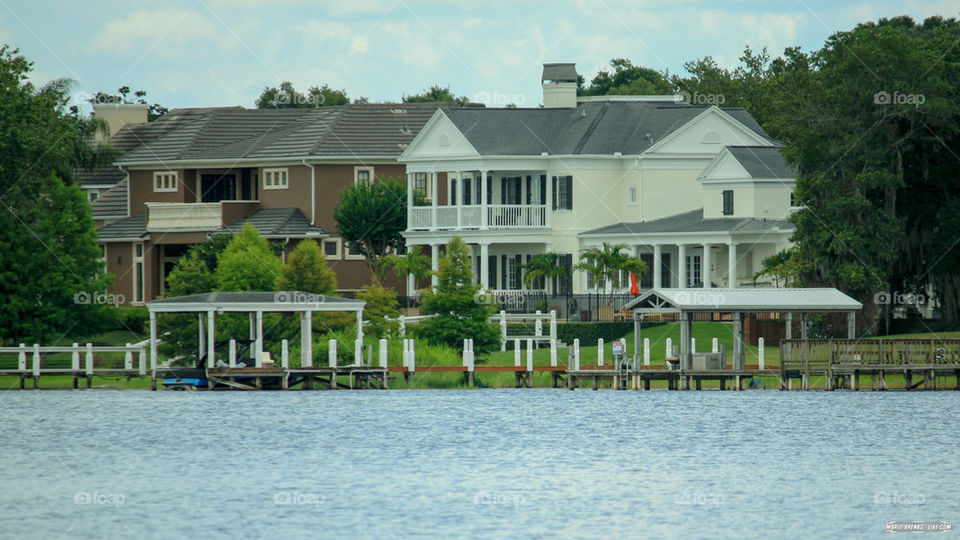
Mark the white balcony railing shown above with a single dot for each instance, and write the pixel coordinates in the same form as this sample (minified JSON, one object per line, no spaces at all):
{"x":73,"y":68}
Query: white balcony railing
{"x":172,"y":216}
{"x":499,"y":216}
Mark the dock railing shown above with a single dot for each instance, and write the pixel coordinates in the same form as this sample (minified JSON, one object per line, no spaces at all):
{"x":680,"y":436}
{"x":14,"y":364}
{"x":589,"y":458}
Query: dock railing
{"x":75,"y":360}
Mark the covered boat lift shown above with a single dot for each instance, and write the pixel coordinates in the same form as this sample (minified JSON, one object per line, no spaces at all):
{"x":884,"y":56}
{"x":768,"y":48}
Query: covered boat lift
{"x":209,"y":305}
{"x":738,"y":302}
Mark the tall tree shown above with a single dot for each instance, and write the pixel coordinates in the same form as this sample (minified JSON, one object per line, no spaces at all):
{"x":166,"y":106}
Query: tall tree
{"x":49,"y":272}
{"x":248,"y":263}
{"x":627,"y":78}
{"x":457,"y":313}
{"x":307,"y":270}
{"x":371,"y":217}
{"x":436,"y":93}
{"x":154,"y":110}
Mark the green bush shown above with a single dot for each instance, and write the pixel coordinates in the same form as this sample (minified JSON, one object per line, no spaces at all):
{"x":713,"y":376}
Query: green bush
{"x":133,"y":318}
{"x":588,"y":333}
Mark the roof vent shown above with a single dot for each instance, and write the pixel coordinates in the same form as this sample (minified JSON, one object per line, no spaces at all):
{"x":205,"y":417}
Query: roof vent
{"x":398,"y":111}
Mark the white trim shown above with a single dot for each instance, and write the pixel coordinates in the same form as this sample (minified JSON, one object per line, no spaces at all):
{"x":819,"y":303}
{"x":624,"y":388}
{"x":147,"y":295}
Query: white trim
{"x":256,"y":162}
{"x":715,"y":111}
{"x":339,"y":243}
{"x":167,"y":188}
{"x":358,"y":170}
{"x":347,"y":256}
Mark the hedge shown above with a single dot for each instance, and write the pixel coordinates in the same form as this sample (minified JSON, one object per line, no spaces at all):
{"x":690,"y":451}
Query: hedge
{"x":589,"y":332}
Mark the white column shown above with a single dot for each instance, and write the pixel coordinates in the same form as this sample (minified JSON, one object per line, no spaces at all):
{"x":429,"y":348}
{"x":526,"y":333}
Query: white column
{"x":258,"y":352}
{"x":202,"y":338}
{"x":434,"y":200}
{"x":306,"y":339}
{"x":153,"y":342}
{"x":211,"y":340}
{"x":484,"y":204}
{"x":682,"y":265}
{"x":732,"y":264}
{"x":657,"y":266}
{"x":460,"y":194}
{"x":409,"y":198}
{"x":360,"y":326}
{"x":485,"y":264}
{"x":706,"y":262}
{"x":434,"y":263}
{"x":411,"y":285}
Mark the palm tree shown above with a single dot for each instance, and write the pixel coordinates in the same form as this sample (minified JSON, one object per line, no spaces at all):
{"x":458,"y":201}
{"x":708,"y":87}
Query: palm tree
{"x":607,"y":263}
{"x":412,"y":262}
{"x":543,"y":266}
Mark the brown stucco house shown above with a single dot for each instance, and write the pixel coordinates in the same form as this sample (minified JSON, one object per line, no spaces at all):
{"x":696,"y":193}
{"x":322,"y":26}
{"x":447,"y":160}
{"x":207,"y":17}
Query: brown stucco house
{"x":195,"y":173}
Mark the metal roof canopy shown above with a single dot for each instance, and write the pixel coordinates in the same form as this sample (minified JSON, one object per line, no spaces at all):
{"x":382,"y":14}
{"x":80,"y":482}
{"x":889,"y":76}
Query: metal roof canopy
{"x":256,"y":303}
{"x":738,"y":302}
{"x":743,"y":300}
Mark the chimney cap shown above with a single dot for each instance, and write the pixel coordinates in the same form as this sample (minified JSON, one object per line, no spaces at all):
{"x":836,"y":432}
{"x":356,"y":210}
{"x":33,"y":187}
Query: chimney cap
{"x":559,"y":72}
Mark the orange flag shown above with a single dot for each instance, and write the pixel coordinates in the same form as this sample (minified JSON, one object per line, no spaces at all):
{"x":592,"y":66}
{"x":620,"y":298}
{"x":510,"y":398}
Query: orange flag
{"x":634,"y":289}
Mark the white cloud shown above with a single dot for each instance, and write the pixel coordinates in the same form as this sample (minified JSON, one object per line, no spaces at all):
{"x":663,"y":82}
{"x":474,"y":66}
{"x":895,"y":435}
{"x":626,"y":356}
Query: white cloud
{"x":166,"y":33}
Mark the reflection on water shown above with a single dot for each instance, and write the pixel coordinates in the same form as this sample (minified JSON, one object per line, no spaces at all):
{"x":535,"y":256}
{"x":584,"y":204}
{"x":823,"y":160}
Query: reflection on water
{"x":474,"y":463}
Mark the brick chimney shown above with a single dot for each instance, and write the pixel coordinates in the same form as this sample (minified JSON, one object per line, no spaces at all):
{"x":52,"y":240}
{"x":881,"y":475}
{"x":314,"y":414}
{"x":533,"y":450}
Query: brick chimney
{"x":559,"y":85}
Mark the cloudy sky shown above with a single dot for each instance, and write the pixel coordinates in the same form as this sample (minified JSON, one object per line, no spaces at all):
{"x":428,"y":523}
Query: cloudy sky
{"x":223,"y":52}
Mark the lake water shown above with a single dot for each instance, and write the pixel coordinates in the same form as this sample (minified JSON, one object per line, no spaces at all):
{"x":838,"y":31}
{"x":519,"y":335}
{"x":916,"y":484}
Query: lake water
{"x":486,"y":463}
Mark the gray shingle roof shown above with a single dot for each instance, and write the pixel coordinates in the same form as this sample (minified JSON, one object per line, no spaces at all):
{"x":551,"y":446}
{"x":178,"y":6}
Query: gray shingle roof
{"x":762,"y":162}
{"x":590,"y":128}
{"x":277,"y":223}
{"x":113,"y":203}
{"x":276,"y":300}
{"x":559,"y":72}
{"x":357,"y":129}
{"x":693,"y":222}
{"x":132,"y":227}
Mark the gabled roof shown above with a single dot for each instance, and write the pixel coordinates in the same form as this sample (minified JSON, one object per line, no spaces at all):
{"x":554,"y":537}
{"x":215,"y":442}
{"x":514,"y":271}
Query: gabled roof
{"x":750,"y":300}
{"x":113,"y":203}
{"x":693,"y":221}
{"x":349,"y":131}
{"x":590,"y":128}
{"x":277,"y":223}
{"x":762,"y":161}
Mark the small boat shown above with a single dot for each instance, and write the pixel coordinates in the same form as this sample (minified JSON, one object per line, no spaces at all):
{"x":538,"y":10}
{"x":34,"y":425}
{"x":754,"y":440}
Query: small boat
{"x":193,"y":378}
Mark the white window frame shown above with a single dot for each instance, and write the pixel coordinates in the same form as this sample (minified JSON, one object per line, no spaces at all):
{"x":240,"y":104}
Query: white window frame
{"x":356,"y":174}
{"x":427,"y":184}
{"x":632,"y":195}
{"x":272,"y":178}
{"x":160,"y":187}
{"x":347,"y":256}
{"x":339,"y":254}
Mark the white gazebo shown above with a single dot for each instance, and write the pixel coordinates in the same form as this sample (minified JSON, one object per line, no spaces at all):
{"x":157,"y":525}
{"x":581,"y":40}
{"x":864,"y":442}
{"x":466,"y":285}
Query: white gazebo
{"x":738,"y":302}
{"x":209,"y":305}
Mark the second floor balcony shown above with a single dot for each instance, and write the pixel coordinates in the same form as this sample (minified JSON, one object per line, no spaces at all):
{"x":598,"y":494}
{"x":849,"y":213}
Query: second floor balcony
{"x":201,"y":216}
{"x":490,"y":216}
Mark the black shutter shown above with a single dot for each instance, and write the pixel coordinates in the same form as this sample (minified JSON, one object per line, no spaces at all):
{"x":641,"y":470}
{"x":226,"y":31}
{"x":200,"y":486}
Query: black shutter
{"x":503,"y":272}
{"x":518,"y":260}
{"x":489,"y":190}
{"x":529,"y":191}
{"x":453,"y":189}
{"x":466,"y":191}
{"x":569,"y":193}
{"x":554,"y":192}
{"x":503,"y":190}
{"x":492,"y":271}
{"x":543,"y":189}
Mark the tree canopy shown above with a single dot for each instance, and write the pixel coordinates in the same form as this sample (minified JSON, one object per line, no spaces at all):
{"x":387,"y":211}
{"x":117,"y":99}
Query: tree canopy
{"x":286,"y":96}
{"x":436,"y":93}
{"x":248,"y":263}
{"x":371,"y":216}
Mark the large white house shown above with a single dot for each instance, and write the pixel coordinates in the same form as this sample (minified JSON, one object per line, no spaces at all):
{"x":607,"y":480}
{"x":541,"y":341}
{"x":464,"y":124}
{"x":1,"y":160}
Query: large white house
{"x":700,"y":193}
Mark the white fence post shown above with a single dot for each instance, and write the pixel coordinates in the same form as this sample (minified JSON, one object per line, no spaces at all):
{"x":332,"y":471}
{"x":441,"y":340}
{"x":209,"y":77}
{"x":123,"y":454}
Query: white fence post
{"x":128,"y":358}
{"x":22,"y":357}
{"x":693,"y":345}
{"x":599,"y":352}
{"x":576,"y":354}
{"x":332,"y":353}
{"x":232,"y":358}
{"x":646,"y":351}
{"x":75,"y":358}
{"x":516,"y":352}
{"x":553,"y":352}
{"x":257,"y":352}
{"x":669,"y":347}
{"x":284,"y":354}
{"x":89,"y":360}
{"x":142,"y":360}
{"x":760,"y":352}
{"x":358,"y":352}
{"x":36,"y":360}
{"x":403,"y":326}
{"x":413,"y":357}
{"x":529,"y":355}
{"x":716,"y":345}
{"x":406,"y":353}
{"x":538,"y":325}
{"x":503,"y":330}
{"x":553,"y":324}
{"x":470,"y":366}
{"x":383,"y":353}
